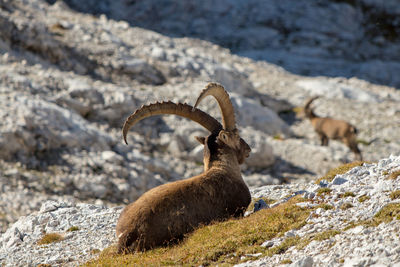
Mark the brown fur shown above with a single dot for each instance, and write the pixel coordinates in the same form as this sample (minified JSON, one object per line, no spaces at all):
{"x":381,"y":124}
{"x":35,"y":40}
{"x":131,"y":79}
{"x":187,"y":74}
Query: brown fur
{"x":328,"y":128}
{"x":166,"y":213}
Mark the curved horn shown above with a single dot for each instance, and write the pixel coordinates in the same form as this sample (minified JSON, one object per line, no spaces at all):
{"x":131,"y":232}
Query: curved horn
{"x":308,"y":103}
{"x":169,"y":107}
{"x":225,"y":104}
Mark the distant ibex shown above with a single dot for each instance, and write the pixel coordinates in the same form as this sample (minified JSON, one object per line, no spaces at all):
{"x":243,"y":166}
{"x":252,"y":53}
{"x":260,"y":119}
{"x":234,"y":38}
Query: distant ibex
{"x":328,"y":128}
{"x":166,"y":213}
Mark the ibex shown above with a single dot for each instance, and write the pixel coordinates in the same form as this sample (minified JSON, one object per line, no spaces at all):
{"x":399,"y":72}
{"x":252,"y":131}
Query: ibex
{"x":166,"y":213}
{"x":328,"y":128}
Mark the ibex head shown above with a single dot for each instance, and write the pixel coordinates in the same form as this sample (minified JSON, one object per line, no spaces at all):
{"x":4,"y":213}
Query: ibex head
{"x":226,"y":134}
{"x":309,"y":113}
{"x":229,"y":135}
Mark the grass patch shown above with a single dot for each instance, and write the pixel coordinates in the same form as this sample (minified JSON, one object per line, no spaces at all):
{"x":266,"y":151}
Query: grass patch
{"x":298,"y":110}
{"x":395,"y":194}
{"x":388,"y":213}
{"x":50,"y":238}
{"x":95,"y":251}
{"x":286,"y":261}
{"x":326,"y":235}
{"x":325,"y":206}
{"x":363,"y":198}
{"x":346,"y":206}
{"x":221,"y":242}
{"x":385,"y":215}
{"x":317,"y":237}
{"x":339,"y":170}
{"x":278,"y":137}
{"x":323,"y":191}
{"x":282,"y":247}
{"x":73,"y":229}
{"x":347,"y":194}
{"x":364,"y":142}
{"x":394,"y":175}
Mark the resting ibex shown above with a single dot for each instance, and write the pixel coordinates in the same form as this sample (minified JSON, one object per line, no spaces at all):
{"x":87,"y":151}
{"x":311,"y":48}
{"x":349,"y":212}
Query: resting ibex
{"x":166,"y":213}
{"x":328,"y":128}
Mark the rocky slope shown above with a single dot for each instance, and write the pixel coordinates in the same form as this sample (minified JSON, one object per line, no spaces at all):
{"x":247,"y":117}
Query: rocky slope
{"x":352,"y":200}
{"x":68,"y":80}
{"x":326,"y":37}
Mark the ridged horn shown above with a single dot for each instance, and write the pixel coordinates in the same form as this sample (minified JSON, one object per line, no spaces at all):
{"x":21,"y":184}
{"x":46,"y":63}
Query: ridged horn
{"x":225,"y":104}
{"x":308,"y":103}
{"x":183,"y":110}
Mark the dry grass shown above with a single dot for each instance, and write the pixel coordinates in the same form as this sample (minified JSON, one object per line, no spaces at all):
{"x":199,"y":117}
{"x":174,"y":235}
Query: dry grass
{"x":363,"y":198}
{"x":339,"y":170}
{"x":325,"y":206}
{"x":50,"y":238}
{"x":395,"y":194}
{"x":394,"y":175}
{"x":385,"y":215}
{"x":73,"y":229}
{"x":323,"y":191}
{"x":286,"y":261}
{"x":346,"y":194}
{"x":346,"y":205}
{"x":388,"y":213}
{"x":317,"y":237}
{"x":221,"y":242}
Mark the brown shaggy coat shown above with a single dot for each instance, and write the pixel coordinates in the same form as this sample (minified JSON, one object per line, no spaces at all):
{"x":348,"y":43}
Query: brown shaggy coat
{"x":166,"y":213}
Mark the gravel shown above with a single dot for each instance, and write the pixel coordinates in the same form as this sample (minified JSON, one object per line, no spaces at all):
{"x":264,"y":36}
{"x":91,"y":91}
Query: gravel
{"x":360,"y":245}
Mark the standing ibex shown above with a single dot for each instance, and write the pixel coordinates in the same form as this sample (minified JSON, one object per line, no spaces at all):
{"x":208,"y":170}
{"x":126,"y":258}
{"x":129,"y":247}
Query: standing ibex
{"x":328,"y":128}
{"x":166,"y":213}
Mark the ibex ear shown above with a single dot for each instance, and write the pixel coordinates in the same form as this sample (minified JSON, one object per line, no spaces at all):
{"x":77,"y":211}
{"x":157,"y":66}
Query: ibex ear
{"x":223,"y":136}
{"x":200,"y":139}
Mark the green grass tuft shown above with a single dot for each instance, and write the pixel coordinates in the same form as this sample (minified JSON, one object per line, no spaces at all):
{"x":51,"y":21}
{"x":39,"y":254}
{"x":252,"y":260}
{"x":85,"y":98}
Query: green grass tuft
{"x":323,"y":191}
{"x":73,"y":229}
{"x":278,"y":137}
{"x":364,"y":142}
